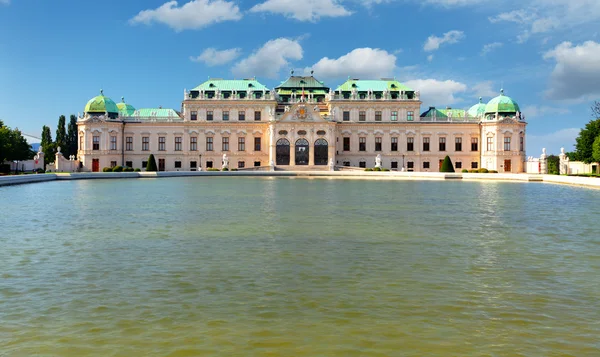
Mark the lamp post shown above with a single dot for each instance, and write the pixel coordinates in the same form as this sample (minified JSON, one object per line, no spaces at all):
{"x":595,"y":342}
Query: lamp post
{"x":402,"y":162}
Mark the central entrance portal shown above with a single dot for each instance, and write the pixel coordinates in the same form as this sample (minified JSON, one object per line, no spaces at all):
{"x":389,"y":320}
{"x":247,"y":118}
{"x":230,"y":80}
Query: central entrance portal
{"x":302,"y":152}
{"x":282,"y":152}
{"x":321,"y":152}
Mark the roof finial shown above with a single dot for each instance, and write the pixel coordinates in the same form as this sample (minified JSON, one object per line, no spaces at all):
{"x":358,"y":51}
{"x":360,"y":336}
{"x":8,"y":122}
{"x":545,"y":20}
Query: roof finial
{"x":501,"y":91}
{"x":123,"y":99}
{"x":480,"y":99}
{"x":292,"y":72}
{"x":312,"y":72}
{"x":101,"y":92}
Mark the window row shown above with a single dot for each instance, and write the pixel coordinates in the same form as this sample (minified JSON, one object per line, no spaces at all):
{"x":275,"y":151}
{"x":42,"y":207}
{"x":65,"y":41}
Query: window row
{"x":410,"y":144}
{"x":178,"y":144}
{"x":410,"y":165}
{"x":210,"y":116}
{"x":362,"y":115}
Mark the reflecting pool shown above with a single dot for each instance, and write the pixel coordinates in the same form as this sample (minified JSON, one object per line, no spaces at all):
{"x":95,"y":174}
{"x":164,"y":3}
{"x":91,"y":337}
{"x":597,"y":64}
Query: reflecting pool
{"x":298,"y":267}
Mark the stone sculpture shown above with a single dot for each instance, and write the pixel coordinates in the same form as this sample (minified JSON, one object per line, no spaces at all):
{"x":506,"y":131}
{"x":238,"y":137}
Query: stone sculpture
{"x":378,"y":161}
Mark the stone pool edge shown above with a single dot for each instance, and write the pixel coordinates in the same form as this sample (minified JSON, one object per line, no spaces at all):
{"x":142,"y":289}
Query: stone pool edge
{"x":568,"y":180}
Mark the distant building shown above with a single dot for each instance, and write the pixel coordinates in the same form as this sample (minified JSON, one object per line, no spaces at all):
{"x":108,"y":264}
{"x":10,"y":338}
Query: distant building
{"x":302,"y":124}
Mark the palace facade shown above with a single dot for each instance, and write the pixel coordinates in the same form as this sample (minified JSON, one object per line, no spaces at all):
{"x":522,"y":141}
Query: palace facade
{"x":302,"y":125}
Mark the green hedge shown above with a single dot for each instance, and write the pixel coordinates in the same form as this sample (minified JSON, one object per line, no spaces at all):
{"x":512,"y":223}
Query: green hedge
{"x":128,"y":169}
{"x":212,"y":169}
{"x":368,"y":169}
{"x":107,"y":169}
{"x":117,"y":168}
{"x":447,"y":165}
{"x":483,"y":171}
{"x":151,"y":165}
{"x":464,"y":171}
{"x":137,"y":170}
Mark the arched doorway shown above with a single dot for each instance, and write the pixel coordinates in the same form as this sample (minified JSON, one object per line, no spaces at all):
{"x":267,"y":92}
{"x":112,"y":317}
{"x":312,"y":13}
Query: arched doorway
{"x":282,"y":152}
{"x":321,"y":152}
{"x":302,"y":152}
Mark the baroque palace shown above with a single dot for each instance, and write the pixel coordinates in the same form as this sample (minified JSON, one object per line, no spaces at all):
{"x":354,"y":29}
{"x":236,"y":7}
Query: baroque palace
{"x":302,"y":125}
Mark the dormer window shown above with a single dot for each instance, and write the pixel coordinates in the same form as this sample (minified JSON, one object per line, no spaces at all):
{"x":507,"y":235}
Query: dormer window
{"x":354,"y":85}
{"x":393,"y":85}
{"x":250,"y":85}
{"x":211,"y":85}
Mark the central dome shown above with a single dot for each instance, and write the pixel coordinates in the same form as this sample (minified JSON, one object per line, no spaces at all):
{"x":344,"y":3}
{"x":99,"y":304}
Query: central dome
{"x":101,"y":104}
{"x":502,"y":104}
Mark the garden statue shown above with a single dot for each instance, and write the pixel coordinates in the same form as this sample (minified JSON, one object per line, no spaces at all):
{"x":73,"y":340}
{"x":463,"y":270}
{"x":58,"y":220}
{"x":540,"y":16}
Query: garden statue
{"x":378,"y":161}
{"x":225,"y":161}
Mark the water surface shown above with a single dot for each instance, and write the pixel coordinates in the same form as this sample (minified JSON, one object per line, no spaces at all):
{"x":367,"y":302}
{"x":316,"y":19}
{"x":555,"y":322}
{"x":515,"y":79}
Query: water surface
{"x":298,"y":267}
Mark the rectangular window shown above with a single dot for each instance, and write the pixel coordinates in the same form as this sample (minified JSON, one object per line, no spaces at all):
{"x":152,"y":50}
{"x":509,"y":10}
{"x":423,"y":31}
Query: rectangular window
{"x":346,"y":116}
{"x":474,"y":165}
{"x":257,"y":115}
{"x":425,"y":144}
{"x":146,"y":143}
{"x":144,"y":164}
{"x":193,"y":143}
{"x":442,"y":145}
{"x":96,"y":143}
{"x":209,"y":115}
{"x":426,"y":164}
{"x":256,"y":163}
{"x":394,"y":144}
{"x":378,"y":116}
{"x":241,"y":115}
{"x":129,"y":143}
{"x":209,"y":144}
{"x":193,"y":165}
{"x":241,"y":144}
{"x":346,"y":163}
{"x":362,"y":164}
{"x":113,"y":142}
{"x":362,"y":144}
{"x":225,"y":144}
{"x":81,"y":142}
{"x":378,"y":144}
{"x":474,"y":144}
{"x":522,"y":144}
{"x":177,"y":164}
{"x":490,"y":144}
{"x":410,"y":144}
{"x":410,"y":116}
{"x":178,"y":141}
{"x":457,"y":144}
{"x":346,"y":144}
{"x":241,"y":164}
{"x":161,"y":164}
{"x":209,"y":164}
{"x":394,"y":116}
{"x":506,"y":143}
{"x":362,"y":116}
{"x":256,"y":144}
{"x":113,"y":163}
{"x":226,"y":115}
{"x":394,"y":164}
{"x":162,"y":143}
{"x":129,"y":163}
{"x":194,"y":115}
{"x":410,"y":166}
{"x":458,"y":165}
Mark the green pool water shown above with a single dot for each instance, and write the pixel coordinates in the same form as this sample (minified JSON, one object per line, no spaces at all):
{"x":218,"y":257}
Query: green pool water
{"x":298,"y":267}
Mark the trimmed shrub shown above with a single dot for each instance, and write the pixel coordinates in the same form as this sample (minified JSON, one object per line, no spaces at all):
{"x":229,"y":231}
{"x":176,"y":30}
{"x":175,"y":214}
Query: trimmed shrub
{"x":368,"y":169}
{"x":137,"y":170}
{"x":384,"y":169}
{"x":377,"y":169}
{"x":234,"y":169}
{"x":493,"y":172}
{"x":447,"y":165}
{"x":212,"y":169}
{"x":464,"y":171}
{"x":483,"y":171}
{"x":151,"y":165}
{"x":117,"y":168}
{"x":225,"y":169}
{"x":128,"y":169}
{"x":107,"y":169}
{"x":473,"y":171}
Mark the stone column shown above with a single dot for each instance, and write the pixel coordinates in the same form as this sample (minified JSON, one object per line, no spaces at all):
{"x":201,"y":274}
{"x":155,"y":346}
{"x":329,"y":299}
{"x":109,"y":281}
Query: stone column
{"x":544,"y":162}
{"x":272,"y":145}
{"x":564,"y":162}
{"x":293,"y":154}
{"x":311,"y":154}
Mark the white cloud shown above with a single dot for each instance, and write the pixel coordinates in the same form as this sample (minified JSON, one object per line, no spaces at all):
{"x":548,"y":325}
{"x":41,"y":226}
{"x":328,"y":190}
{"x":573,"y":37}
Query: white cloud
{"x":304,"y":10}
{"x":484,"y":89}
{"x":268,"y":60}
{"x":534,"y":111}
{"x":430,"y":58}
{"x":434,"y":42}
{"x":359,"y":63}
{"x":195,"y":14}
{"x":487,"y":48}
{"x":445,"y":3}
{"x":4,"y":2}
{"x":437,"y":93}
{"x":563,"y":138}
{"x":520,"y":16}
{"x":577,"y":71}
{"x":214,"y":57}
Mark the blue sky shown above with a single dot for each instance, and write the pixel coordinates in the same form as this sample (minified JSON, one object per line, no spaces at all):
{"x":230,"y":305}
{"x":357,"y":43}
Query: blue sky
{"x":55,"y":55}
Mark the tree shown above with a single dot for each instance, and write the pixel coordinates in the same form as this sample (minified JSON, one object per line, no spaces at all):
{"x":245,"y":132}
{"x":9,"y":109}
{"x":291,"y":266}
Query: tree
{"x":585,"y":141}
{"x":47,"y":145}
{"x":596,"y":110}
{"x":151,"y":165}
{"x":61,"y":134}
{"x":447,"y":165}
{"x":13,"y":146}
{"x":596,"y":149}
{"x":71,"y":141}
{"x":553,"y":165}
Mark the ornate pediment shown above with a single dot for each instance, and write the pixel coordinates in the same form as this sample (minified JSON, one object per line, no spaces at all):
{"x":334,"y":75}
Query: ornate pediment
{"x":508,"y":120}
{"x":302,"y":112}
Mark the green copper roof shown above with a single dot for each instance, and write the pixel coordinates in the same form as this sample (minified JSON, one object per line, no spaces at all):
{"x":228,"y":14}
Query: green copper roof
{"x":374,"y":85}
{"x":302,"y":81}
{"x":454,"y":113}
{"x":444,"y":113}
{"x":433,"y":113}
{"x":124,"y":108}
{"x":158,"y":113}
{"x":502,"y":104}
{"x":231,"y":85}
{"x":478,"y":109}
{"x":101,"y":104}
{"x":299,"y":91}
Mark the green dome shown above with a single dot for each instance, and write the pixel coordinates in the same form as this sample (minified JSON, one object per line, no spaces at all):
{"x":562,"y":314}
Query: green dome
{"x":478,"y":110}
{"x":125,"y":109}
{"x":502,"y":104}
{"x":101,"y":104}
